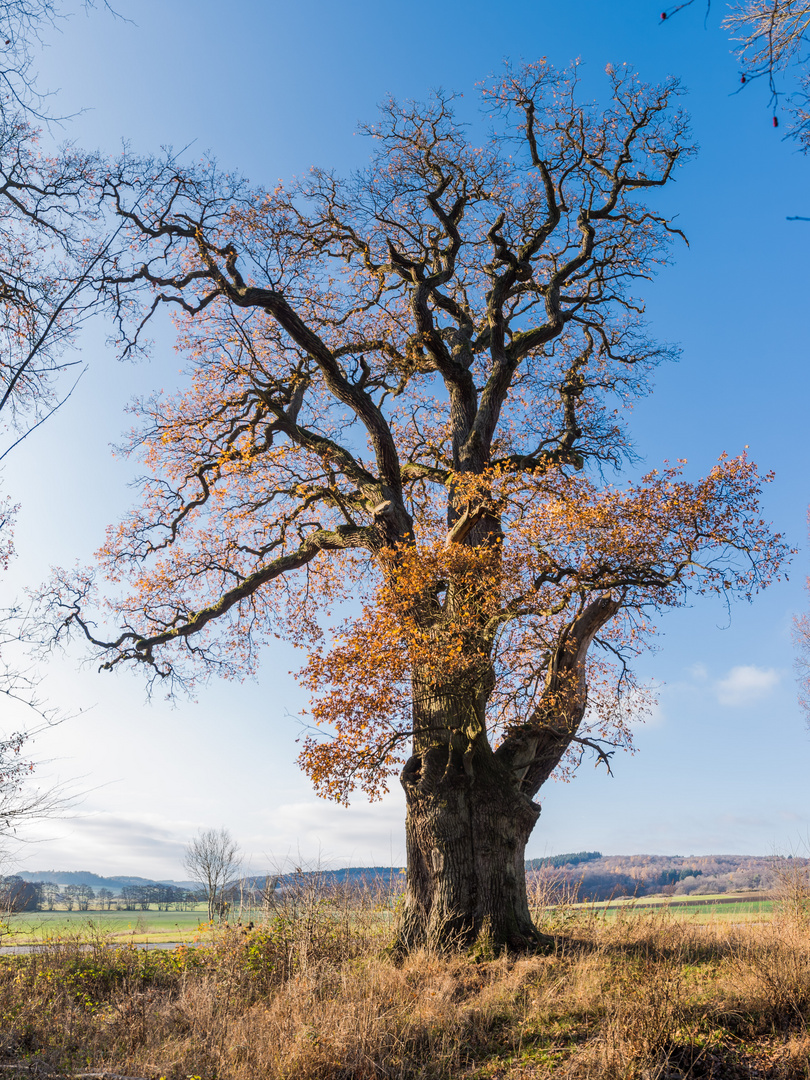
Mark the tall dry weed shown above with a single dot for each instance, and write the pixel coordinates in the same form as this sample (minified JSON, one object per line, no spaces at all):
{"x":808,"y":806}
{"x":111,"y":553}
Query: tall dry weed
{"x":792,"y":890}
{"x":770,"y":967}
{"x":312,"y":995}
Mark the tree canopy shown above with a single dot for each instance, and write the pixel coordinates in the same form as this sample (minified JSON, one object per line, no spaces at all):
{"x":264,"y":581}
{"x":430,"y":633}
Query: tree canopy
{"x":407,"y":390}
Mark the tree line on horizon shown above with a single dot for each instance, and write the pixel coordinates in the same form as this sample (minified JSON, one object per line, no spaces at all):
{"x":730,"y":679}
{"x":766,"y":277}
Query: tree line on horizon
{"x":588,"y":874}
{"x":613,"y":876}
{"x":18,"y":895}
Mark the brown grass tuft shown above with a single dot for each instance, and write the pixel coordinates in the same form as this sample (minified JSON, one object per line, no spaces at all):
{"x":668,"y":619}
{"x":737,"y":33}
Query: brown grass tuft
{"x":313,"y":995}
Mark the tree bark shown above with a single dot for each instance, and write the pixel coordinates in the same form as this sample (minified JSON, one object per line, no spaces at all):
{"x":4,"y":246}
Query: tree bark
{"x":470,"y":810}
{"x":467,"y":826}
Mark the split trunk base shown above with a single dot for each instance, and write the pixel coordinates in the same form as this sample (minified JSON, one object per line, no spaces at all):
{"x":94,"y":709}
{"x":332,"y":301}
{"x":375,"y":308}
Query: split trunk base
{"x":467,"y":828}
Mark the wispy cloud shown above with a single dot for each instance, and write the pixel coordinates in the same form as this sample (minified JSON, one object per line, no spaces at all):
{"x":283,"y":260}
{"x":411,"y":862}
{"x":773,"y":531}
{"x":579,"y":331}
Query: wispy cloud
{"x":746,"y":685}
{"x":320,"y":832}
{"x":309,"y":832}
{"x":107,"y":843}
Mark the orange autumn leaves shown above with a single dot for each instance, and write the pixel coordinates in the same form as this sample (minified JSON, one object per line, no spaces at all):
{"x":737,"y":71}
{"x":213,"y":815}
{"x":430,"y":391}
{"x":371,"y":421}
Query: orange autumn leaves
{"x":403,"y":388}
{"x":462,"y":613}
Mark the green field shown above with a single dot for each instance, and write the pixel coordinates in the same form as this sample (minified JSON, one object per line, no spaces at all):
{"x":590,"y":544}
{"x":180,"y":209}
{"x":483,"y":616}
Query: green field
{"x":139,"y":927}
{"x":733,"y":907}
{"x":119,"y":926}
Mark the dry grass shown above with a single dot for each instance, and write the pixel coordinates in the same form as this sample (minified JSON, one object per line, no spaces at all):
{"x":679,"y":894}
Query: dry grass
{"x":313,"y":994}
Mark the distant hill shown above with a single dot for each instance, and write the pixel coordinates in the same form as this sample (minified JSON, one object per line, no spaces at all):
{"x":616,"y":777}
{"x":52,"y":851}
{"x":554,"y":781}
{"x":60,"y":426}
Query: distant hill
{"x":671,"y":875}
{"x":592,"y":875}
{"x":353,"y":874}
{"x":346,"y":873}
{"x":571,"y":859}
{"x":97,"y":881}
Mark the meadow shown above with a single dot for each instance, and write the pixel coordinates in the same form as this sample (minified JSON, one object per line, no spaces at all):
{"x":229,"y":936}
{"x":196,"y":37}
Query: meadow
{"x":151,"y":926}
{"x":114,"y":926}
{"x":720,"y":907}
{"x":313,"y":993}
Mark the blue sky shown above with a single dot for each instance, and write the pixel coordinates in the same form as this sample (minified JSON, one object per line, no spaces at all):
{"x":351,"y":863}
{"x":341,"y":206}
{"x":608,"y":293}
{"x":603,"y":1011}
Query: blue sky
{"x":272,"y":89}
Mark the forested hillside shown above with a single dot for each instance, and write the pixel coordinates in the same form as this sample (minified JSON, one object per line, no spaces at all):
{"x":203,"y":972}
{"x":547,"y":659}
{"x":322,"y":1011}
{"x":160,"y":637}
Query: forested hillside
{"x":593,"y":875}
{"x":646,"y":875}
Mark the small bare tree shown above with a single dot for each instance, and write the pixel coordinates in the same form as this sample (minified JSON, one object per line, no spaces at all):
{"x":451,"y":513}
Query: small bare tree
{"x":213,"y":859}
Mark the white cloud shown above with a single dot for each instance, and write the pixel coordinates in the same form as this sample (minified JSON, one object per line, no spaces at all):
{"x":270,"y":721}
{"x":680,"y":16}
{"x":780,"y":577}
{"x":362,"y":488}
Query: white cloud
{"x":746,"y":685}
{"x":309,"y":832}
{"x":107,"y":843}
{"x":319,"y":832}
{"x":699,"y":672}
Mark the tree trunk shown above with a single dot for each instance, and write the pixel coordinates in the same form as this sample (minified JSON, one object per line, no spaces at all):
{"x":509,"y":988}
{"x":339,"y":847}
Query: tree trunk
{"x":467,"y":827}
{"x":470,"y":811}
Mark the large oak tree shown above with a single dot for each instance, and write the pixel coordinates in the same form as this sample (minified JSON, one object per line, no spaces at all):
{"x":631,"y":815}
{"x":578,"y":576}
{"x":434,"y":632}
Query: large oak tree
{"x":406,"y":392}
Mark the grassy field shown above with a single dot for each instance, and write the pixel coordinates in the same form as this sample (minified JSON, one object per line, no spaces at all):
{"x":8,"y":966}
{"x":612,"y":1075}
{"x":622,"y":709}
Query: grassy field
{"x":644,"y":996}
{"x":139,"y":927}
{"x":634,"y":993}
{"x":115,"y":926}
{"x":722,"y":907}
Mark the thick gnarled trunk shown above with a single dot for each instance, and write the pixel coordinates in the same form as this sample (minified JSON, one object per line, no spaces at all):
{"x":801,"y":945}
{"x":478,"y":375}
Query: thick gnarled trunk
{"x":467,"y":827}
{"x":470,"y":809}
